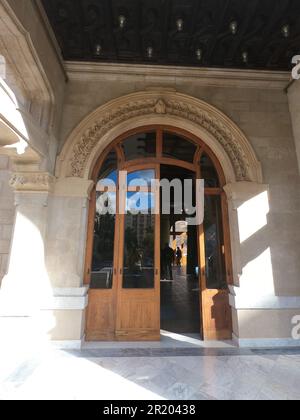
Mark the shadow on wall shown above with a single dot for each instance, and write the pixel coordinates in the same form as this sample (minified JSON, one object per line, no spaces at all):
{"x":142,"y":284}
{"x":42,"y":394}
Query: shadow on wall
{"x":268,"y":248}
{"x":270,"y":265}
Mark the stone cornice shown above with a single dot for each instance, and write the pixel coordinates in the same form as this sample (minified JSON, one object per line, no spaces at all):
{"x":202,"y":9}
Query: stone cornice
{"x":203,"y":76}
{"x":32,"y":182}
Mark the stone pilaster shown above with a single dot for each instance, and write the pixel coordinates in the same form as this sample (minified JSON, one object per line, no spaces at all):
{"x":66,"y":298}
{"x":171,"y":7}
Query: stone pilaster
{"x":260,"y":316}
{"x":27,"y":280}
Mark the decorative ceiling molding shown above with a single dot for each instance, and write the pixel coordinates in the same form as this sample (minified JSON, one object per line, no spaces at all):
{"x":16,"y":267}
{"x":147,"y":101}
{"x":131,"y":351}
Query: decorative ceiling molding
{"x":84,"y":141}
{"x":202,"y":76}
{"x":256,"y":34}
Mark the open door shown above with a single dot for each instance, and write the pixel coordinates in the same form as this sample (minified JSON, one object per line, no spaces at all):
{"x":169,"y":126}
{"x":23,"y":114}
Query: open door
{"x":216,"y":311}
{"x":138,"y":294}
{"x":124,"y":245}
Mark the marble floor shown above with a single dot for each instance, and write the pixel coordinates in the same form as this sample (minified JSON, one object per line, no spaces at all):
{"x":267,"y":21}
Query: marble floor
{"x":174,"y":369}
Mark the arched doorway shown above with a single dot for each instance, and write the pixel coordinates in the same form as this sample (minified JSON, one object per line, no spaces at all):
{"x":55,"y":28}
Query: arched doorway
{"x":123,"y":261}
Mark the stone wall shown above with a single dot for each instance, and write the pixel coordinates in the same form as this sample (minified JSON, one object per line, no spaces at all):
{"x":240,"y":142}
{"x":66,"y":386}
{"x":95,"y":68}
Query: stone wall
{"x":6,"y":215}
{"x":266,"y":261}
{"x":263,"y":114}
{"x":294,"y":102}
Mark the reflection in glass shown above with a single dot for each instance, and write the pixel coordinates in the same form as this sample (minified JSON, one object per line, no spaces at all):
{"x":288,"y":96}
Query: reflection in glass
{"x":176,"y":147}
{"x":140,"y":178}
{"x":111,"y":182}
{"x":209,"y":173}
{"x":104,"y":233}
{"x":213,"y":230}
{"x":109,"y":166}
{"x":140,"y":146}
{"x":139,"y":244}
{"x":104,"y":228}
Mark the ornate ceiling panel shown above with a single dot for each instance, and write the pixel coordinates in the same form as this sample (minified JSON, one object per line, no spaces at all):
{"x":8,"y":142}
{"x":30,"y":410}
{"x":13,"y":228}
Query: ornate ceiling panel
{"x":258,"y":34}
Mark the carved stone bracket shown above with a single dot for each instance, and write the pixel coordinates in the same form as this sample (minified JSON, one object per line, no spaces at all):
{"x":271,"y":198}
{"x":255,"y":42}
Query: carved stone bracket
{"x":32,"y":181}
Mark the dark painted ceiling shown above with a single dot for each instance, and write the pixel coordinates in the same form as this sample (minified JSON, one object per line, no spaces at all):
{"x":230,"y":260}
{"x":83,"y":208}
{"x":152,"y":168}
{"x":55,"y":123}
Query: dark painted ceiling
{"x":258,"y":34}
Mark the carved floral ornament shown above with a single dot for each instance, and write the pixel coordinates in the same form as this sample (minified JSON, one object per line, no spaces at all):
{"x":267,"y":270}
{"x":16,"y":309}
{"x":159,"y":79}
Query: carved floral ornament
{"x":229,"y":137}
{"x":32,"y":181}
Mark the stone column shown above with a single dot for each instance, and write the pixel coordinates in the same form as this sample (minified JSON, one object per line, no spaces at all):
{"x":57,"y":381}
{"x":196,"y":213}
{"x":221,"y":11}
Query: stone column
{"x":27,"y":280}
{"x":26,"y":284}
{"x":6,"y":214}
{"x":37,"y":303}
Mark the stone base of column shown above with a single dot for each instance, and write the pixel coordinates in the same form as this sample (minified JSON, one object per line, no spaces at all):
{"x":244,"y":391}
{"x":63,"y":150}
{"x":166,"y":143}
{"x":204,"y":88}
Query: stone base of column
{"x":59,"y":321}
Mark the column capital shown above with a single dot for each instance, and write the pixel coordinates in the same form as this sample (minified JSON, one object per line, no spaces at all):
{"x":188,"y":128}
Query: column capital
{"x":240,"y":192}
{"x":32,"y":182}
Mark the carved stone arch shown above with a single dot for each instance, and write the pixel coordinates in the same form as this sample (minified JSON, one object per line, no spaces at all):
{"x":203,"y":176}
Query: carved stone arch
{"x":98,"y":130}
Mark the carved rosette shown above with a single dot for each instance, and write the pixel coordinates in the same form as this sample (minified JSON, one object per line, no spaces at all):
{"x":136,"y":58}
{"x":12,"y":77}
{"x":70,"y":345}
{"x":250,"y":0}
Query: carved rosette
{"x":32,"y":181}
{"x":159,"y":106}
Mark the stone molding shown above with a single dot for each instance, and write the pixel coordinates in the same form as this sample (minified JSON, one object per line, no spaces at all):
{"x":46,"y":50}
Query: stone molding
{"x":20,"y":53}
{"x":61,"y":299}
{"x":241,"y":300}
{"x":73,"y":187}
{"x":204,"y":76}
{"x":32,"y":182}
{"x":83,"y":142}
{"x":265,"y":343}
{"x":240,"y":192}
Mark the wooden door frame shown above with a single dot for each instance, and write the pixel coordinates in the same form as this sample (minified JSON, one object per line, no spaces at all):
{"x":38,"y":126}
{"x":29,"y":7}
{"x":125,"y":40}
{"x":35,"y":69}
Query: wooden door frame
{"x":159,"y":160}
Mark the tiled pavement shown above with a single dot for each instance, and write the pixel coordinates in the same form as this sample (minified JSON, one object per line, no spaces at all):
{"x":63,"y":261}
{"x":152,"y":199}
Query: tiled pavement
{"x":167,"y":370}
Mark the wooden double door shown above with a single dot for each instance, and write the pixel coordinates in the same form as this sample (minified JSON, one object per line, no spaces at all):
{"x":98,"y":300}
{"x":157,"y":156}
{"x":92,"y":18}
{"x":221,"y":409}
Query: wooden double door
{"x":124,"y":298}
{"x":123,"y":265}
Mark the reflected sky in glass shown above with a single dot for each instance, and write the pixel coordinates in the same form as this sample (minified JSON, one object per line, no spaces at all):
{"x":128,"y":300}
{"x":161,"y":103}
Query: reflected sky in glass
{"x":140,"y":203}
{"x":140,"y":178}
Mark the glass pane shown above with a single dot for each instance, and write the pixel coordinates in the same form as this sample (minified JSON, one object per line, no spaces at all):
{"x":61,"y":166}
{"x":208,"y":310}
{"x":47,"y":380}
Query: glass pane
{"x":141,"y":178}
{"x":178,"y":148}
{"x":111,"y":182}
{"x":139,"y":242}
{"x":209,"y":173}
{"x":140,"y":146}
{"x":213,"y":230}
{"x":109,"y":165}
{"x":104,"y":232}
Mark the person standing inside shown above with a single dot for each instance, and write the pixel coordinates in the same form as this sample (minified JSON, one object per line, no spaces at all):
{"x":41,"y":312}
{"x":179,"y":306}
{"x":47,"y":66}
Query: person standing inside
{"x":178,"y":257}
{"x":167,"y":262}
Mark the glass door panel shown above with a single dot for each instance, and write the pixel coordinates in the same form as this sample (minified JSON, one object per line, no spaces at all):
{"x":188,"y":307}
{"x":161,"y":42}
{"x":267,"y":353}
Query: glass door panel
{"x":214,"y":244}
{"x":139,"y":252}
{"x":138,"y":300}
{"x":104,"y":238}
